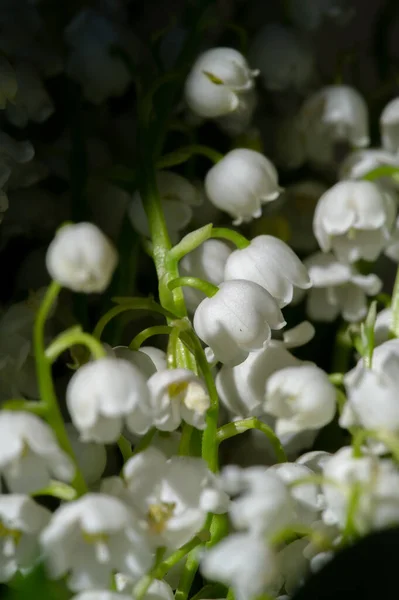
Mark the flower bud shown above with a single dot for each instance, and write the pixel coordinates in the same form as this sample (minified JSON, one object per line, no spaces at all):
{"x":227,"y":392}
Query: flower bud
{"x":237,"y":320}
{"x":216,"y":82}
{"x":81,"y":258}
{"x":241,"y":182}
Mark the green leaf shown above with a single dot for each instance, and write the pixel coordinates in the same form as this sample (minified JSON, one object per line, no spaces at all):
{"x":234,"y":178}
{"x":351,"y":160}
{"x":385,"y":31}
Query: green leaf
{"x":36,"y":586}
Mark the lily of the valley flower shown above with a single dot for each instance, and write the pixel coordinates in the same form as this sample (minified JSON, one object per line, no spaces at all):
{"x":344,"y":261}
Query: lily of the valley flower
{"x":272,"y":264}
{"x":81,"y":258}
{"x":372,"y":393}
{"x":173,"y":495}
{"x":217,"y":81}
{"x":21,"y":521}
{"x":241,"y":182}
{"x":337,"y":288}
{"x":237,"y":320}
{"x":389,"y":126}
{"x":90,"y":538}
{"x":176,"y":395}
{"x":29,"y":453}
{"x":301,"y":398}
{"x":354,"y":219}
{"x":103,"y":395}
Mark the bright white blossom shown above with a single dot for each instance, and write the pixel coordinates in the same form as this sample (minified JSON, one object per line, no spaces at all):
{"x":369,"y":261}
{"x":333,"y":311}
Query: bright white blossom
{"x":90,"y":37}
{"x":389,"y":126}
{"x":178,"y":197}
{"x":306,"y":496}
{"x":173,"y":495}
{"x":21,"y":521}
{"x":336,"y":113}
{"x":270,"y":263}
{"x":102,"y":595}
{"x":361,"y":162}
{"x":300,"y":397}
{"x":30,"y":454}
{"x":217,"y":81}
{"x":372,"y":392}
{"x":284,"y":57}
{"x":262,"y":504}
{"x":338,"y":289}
{"x":314,"y":460}
{"x":237,"y":320}
{"x":137,"y":358}
{"x":103,"y":395}
{"x":242,"y":388}
{"x":241,"y":182}
{"x":206,"y":262}
{"x":310,"y":14}
{"x":88,"y":539}
{"x":157,"y":356}
{"x":354,"y":220}
{"x":258,"y":572}
{"x":376,"y":484}
{"x":178,"y":395}
{"x":238,"y":122}
{"x":81,"y":258}
{"x":383,"y":326}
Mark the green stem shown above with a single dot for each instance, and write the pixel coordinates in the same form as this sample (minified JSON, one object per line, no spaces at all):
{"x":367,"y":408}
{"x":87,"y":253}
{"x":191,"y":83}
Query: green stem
{"x":144,"y":442}
{"x":125,"y":448}
{"x":36,"y":407}
{"x":46,"y":385}
{"x":129,"y":304}
{"x":342,"y":350}
{"x":187,"y":577}
{"x":237,"y":427}
{"x":190,"y":242}
{"x":74,"y":337}
{"x":224,"y":233}
{"x":200,"y":284}
{"x":174,"y":558}
{"x":144,"y":335}
{"x":185,"y":153}
{"x":395,"y":306}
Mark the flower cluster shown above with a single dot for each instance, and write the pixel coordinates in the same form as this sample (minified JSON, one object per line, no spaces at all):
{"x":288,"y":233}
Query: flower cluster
{"x":199,"y":355}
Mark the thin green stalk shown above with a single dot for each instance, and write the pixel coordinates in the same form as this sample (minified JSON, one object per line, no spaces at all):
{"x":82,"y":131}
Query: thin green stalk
{"x":174,"y":558}
{"x":144,"y":335}
{"x":187,"y":578}
{"x":185,"y":153}
{"x":224,"y":233}
{"x":74,"y":337}
{"x":237,"y":427}
{"x":46,"y":385}
{"x":195,"y":282}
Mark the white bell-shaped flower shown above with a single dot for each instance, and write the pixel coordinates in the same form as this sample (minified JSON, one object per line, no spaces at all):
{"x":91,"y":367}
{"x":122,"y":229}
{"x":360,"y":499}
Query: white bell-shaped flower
{"x":357,"y":164}
{"x":137,"y":358}
{"x":375,"y":483}
{"x":306,"y":496}
{"x":383,"y":326}
{"x":354,"y":220}
{"x":29,"y":453}
{"x":91,"y":458}
{"x":216,"y":82}
{"x":103,"y":595}
{"x":310,"y":14}
{"x":206,"y":262}
{"x":270,"y":263}
{"x":335,"y":113}
{"x":81,"y":258}
{"x":249,"y":578}
{"x":241,"y":388}
{"x":173,"y":495}
{"x":294,"y":566}
{"x":157,"y":356}
{"x":392,"y":249}
{"x":237,"y":320}
{"x":300,"y":397}
{"x":338,"y":289}
{"x":262,"y":504}
{"x":389,"y":126}
{"x":103,"y":395}
{"x":241,"y":182}
{"x":90,"y":37}
{"x":284,"y":58}
{"x":21,"y":521}
{"x":372,"y":393}
{"x":178,"y":395}
{"x":90,"y":538}
{"x":178,"y":197}
{"x":314,"y":460}
{"x":158,"y":590}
